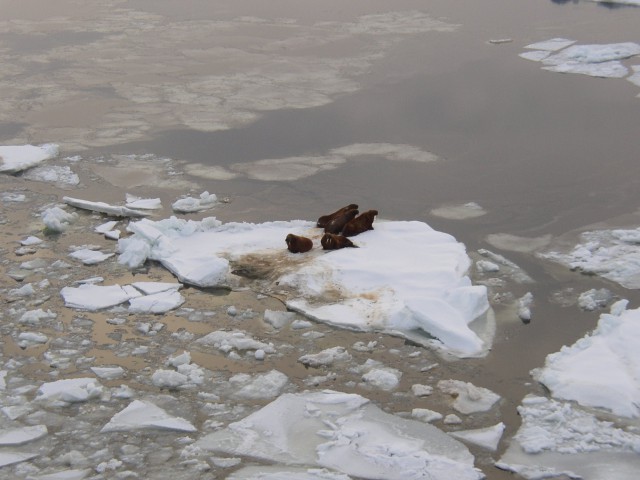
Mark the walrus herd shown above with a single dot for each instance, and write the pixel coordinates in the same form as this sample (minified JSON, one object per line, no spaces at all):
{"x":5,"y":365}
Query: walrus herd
{"x":344,"y":222}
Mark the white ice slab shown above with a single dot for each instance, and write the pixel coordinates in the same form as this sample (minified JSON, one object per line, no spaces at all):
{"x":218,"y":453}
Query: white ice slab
{"x":9,"y":458}
{"x":487,"y":438}
{"x":145,"y":415}
{"x":160,"y":302}
{"x":612,"y":69}
{"x":234,"y":340}
{"x":602,"y":369}
{"x":90,"y":257}
{"x":468,"y":397}
{"x":192,"y":204}
{"x":71,"y":390}
{"x":557,"y":437}
{"x":108,"y":373}
{"x":102,"y":207}
{"x":97,"y":297}
{"x":139,"y":203}
{"x":19,"y":436}
{"x":149,"y":288}
{"x":596,"y":53}
{"x":15,"y":158}
{"x":345,"y":433}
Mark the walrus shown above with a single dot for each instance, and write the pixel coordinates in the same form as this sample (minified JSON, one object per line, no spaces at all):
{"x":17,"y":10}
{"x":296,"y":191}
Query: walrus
{"x":298,"y":244}
{"x":360,"y":224}
{"x":324,"y":220}
{"x":330,"y":241}
{"x":336,"y":225}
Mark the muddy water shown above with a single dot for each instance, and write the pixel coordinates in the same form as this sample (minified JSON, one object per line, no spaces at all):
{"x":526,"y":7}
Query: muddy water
{"x":542,"y":153}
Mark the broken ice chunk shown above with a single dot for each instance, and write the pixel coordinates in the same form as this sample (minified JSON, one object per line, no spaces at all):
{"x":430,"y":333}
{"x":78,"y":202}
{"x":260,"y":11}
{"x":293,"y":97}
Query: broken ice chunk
{"x":145,"y":415}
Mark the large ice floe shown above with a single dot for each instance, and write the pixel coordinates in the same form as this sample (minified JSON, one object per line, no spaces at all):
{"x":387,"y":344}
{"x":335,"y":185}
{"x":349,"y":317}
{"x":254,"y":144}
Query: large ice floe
{"x":597,"y":376}
{"x":344,"y":433}
{"x":602,"y":369}
{"x":405,"y":278}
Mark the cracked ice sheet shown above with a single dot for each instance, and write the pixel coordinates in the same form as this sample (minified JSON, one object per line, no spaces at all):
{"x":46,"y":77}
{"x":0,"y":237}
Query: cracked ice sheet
{"x":345,"y":433}
{"x":417,"y":289}
{"x":602,"y":369}
{"x":260,"y":65}
{"x":558,"y":437}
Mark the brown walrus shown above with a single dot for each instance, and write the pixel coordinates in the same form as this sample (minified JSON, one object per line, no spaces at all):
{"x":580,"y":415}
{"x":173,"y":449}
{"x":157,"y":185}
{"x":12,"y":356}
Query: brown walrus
{"x":336,"y":225}
{"x":360,"y":224}
{"x":330,"y":241}
{"x":324,"y":220}
{"x":298,"y":244}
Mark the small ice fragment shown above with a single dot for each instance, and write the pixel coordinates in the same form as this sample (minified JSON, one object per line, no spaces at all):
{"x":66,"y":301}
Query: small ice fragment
{"x":469,"y":398}
{"x":487,"y":438}
{"x":106,"y":227}
{"x":145,"y":415}
{"x":277,"y":318}
{"x":452,"y":419}
{"x":57,"y":220}
{"x":30,"y":240}
{"x":108,"y":373}
{"x":142,"y":203}
{"x":594,"y":298}
{"x":191,"y":204}
{"x":421,"y":390}
{"x":426,"y":415}
{"x":326,"y":357}
{"x":524,"y":304}
{"x":259,"y":354}
{"x":90,"y":257}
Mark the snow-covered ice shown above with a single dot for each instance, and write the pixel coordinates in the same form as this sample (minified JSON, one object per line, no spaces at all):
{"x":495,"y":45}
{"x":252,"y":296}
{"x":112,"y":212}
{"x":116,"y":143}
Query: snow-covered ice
{"x":56,"y":219}
{"x":67,"y":391}
{"x":205,"y":201}
{"x":347,"y":434}
{"x":602,"y":369}
{"x":419,"y":290}
{"x":468,"y":397}
{"x":234,"y":340}
{"x":612,"y":254}
{"x":487,"y":438}
{"x":326,"y":357}
{"x":15,"y":158}
{"x":89,"y":256}
{"x":139,"y":203}
{"x":141,"y":414}
{"x":558,"y":437}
